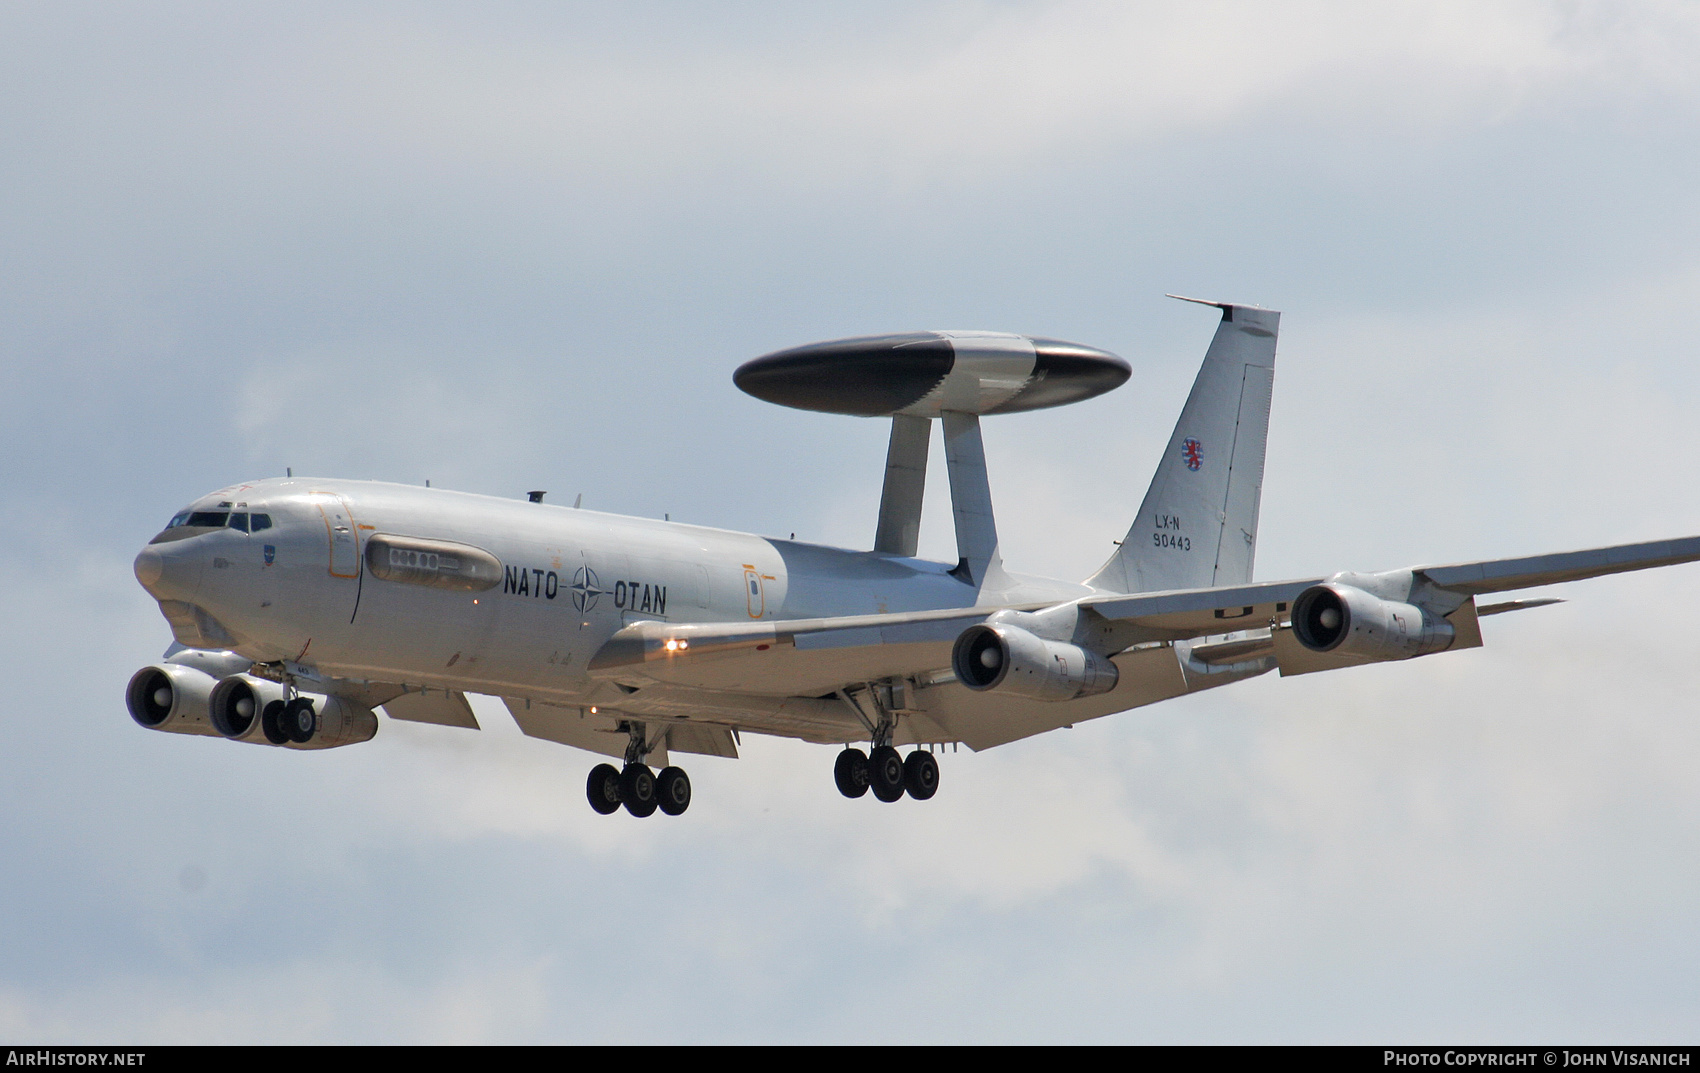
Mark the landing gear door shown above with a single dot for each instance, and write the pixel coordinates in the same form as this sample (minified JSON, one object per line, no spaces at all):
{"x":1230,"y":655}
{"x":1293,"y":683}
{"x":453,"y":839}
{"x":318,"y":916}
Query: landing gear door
{"x":343,"y":538}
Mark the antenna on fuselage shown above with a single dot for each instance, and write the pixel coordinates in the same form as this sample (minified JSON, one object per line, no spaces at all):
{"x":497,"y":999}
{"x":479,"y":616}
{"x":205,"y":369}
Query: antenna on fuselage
{"x":914,"y":377}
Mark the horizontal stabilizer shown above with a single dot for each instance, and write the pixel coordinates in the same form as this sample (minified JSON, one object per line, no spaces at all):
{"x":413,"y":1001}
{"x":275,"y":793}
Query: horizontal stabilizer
{"x":1515,"y":605}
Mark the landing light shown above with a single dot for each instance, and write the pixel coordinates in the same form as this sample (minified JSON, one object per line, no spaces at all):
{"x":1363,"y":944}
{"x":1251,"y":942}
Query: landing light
{"x":675,"y":645}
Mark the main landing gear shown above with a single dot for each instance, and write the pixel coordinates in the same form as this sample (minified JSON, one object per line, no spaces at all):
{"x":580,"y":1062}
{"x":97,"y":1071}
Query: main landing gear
{"x":635,"y":786}
{"x":886,"y":773}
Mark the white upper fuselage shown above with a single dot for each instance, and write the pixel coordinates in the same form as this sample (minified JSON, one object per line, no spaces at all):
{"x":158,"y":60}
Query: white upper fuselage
{"x":302,"y":590}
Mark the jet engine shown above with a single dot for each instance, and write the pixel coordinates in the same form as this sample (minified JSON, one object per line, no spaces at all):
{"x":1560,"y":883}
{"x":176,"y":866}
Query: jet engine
{"x":172,"y":695}
{"x":1348,"y":621}
{"x":1012,"y":662}
{"x":243,"y":707}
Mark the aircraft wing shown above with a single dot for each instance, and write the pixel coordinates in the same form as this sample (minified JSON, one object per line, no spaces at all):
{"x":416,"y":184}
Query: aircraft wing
{"x":1504,"y":575}
{"x":444,"y":707}
{"x":1195,"y":612}
{"x":817,"y":657}
{"x":797,"y":657}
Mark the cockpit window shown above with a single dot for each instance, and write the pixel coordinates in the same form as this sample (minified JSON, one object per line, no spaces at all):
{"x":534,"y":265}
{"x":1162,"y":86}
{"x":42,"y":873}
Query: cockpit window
{"x":190,"y":523}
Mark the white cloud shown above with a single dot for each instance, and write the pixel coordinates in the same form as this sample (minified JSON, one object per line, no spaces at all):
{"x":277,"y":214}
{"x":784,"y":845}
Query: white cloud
{"x":920,"y":97}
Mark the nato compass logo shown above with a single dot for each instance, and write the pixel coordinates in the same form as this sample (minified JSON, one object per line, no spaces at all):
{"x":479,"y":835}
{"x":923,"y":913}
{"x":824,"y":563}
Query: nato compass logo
{"x":271,"y":554}
{"x":585,"y":590}
{"x":1193,"y":452}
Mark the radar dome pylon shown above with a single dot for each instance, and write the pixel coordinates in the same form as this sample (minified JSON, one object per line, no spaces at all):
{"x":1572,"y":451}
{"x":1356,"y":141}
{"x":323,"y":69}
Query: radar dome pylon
{"x":913,"y":377}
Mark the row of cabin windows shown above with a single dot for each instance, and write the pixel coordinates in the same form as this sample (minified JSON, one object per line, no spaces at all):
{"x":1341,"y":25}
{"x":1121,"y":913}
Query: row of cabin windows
{"x":219,"y":519}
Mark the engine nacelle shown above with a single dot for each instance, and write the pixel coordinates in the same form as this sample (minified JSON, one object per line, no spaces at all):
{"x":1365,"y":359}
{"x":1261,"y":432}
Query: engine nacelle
{"x":170,"y":697}
{"x":1013,"y":662}
{"x":340,"y":722}
{"x":243,"y":707}
{"x":236,"y":704}
{"x":1348,"y":621}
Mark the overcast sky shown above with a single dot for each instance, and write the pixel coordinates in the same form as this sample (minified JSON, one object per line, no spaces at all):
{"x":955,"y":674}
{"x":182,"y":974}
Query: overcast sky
{"x":515,"y":246}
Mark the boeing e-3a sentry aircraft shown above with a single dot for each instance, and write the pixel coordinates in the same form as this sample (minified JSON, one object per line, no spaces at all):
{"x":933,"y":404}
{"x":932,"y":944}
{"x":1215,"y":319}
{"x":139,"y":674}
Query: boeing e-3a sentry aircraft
{"x":300,"y":605}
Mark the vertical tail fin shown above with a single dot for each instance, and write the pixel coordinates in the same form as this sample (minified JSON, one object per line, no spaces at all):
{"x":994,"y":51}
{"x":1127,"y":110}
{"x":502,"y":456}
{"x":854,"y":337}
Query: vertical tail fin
{"x":1198,"y":524}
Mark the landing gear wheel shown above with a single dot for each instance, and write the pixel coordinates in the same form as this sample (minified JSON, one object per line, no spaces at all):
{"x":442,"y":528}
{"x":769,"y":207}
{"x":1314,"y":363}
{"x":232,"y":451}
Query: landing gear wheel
{"x":271,"y":723}
{"x":921,"y":775}
{"x":299,"y":721}
{"x":637,"y":790}
{"x":673,"y":790}
{"x":851,"y":773}
{"x":885,"y":773}
{"x":603,"y":788}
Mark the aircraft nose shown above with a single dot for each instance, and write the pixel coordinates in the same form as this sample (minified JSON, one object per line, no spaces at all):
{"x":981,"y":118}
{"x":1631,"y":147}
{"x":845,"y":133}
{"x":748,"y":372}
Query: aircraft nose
{"x":168,"y":572}
{"x":150,"y":567}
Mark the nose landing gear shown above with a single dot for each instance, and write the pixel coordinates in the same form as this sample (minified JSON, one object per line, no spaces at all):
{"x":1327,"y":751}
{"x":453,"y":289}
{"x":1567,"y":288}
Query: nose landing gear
{"x":299,"y":720}
{"x":640,"y":790}
{"x":289,"y":721}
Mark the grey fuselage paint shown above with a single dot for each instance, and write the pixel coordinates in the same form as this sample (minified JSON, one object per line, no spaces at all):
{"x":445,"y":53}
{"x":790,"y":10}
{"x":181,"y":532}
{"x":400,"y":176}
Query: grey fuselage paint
{"x":569,"y":580}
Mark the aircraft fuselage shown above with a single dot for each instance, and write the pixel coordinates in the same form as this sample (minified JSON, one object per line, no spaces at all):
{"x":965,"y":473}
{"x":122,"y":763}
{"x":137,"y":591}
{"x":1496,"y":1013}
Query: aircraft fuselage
{"x":308,"y":589}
